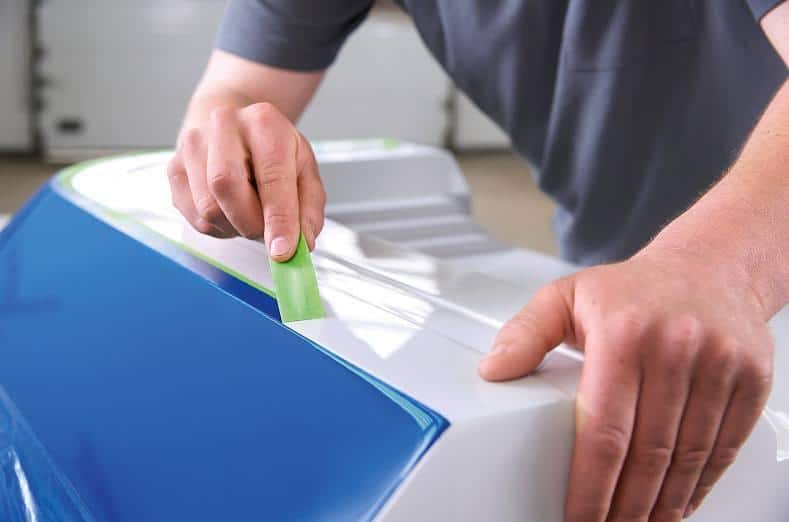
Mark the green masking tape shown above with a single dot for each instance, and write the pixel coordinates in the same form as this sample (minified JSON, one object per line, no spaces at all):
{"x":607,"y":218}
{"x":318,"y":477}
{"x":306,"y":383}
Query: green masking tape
{"x":296,"y":286}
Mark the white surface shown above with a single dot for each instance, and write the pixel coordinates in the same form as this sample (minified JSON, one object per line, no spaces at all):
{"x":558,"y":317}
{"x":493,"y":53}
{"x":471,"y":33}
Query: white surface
{"x":15,"y":98}
{"x":4,"y":219}
{"x":422,"y":325}
{"x":474,"y":129}
{"x":426,"y":207}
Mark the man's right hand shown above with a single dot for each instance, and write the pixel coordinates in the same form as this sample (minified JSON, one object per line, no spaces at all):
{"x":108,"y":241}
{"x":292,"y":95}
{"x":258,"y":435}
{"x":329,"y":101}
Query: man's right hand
{"x":249,"y":172}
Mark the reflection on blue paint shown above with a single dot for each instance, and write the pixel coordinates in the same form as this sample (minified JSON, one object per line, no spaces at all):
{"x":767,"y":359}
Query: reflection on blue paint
{"x":166,"y":395}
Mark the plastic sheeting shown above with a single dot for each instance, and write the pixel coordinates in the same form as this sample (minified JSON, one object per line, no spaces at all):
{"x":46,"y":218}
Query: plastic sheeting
{"x":161,"y":394}
{"x":31,"y":489}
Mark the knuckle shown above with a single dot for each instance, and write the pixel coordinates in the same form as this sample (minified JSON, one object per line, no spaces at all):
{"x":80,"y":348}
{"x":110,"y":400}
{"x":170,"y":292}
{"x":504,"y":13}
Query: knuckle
{"x":689,"y":461}
{"x":609,"y":442}
{"x":652,"y":460}
{"x":758,"y":374}
{"x":674,"y":360}
{"x":278,"y":218}
{"x":208,"y":210}
{"x":174,"y":169}
{"x":721,"y":359}
{"x":221,"y":181}
{"x":272,"y":174}
{"x":684,"y":332}
{"x":714,"y":381}
{"x":671,"y":504}
{"x":192,"y":140}
{"x":264,"y":113}
{"x":720,"y":459}
{"x":626,"y":327}
{"x":729,"y":345}
{"x":754,"y":384}
{"x":252,"y":232}
{"x":219,"y":116}
{"x":682,"y":337}
{"x":204,"y":227}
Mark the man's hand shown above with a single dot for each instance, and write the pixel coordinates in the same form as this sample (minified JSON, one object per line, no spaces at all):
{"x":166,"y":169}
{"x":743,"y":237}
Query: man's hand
{"x":678,"y":366}
{"x":249,"y":172}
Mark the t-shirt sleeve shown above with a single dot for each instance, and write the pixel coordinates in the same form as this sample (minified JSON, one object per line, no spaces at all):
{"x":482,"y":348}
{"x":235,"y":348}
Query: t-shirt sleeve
{"x":759,"y":8}
{"x":301,"y":35}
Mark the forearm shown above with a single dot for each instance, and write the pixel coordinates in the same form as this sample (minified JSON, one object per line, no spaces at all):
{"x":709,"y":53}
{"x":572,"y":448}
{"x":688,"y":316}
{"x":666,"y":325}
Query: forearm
{"x":741,"y":225}
{"x":230,"y":81}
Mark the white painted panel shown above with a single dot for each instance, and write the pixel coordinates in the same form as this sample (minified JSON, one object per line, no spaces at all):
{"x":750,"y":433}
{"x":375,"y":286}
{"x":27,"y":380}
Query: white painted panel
{"x":421,"y":325}
{"x":15,"y":99}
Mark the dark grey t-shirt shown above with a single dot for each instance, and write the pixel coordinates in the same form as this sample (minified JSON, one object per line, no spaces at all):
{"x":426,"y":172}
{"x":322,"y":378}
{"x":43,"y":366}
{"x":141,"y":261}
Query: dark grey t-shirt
{"x":627,"y":109}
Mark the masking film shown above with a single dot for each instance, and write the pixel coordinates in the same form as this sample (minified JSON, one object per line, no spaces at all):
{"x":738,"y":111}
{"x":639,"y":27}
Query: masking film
{"x":155,"y":392}
{"x":296,"y":286}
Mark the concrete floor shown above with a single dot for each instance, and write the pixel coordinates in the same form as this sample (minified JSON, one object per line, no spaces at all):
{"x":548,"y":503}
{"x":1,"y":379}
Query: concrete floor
{"x":504,"y":196}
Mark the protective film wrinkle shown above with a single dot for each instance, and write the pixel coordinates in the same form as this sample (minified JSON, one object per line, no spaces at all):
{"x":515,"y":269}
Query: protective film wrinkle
{"x":31,"y":488}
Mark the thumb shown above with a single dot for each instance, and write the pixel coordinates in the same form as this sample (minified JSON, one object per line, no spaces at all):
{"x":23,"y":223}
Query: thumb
{"x":540,"y":326}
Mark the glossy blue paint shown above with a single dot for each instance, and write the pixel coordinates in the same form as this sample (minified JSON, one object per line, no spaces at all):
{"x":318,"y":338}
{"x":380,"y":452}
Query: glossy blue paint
{"x":163,"y":395}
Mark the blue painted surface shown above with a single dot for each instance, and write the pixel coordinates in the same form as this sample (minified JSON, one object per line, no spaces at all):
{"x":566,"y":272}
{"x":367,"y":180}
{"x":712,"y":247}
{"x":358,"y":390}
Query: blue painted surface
{"x":162,"y":397}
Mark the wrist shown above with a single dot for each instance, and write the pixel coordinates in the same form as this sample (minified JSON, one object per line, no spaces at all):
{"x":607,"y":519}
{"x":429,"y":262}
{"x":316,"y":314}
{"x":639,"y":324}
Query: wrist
{"x":206,"y":99}
{"x":735,"y":259}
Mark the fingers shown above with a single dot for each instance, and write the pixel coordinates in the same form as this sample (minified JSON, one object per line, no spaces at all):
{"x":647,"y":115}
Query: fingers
{"x":228,"y":177}
{"x":665,"y":401}
{"x":273,"y":145}
{"x":665,"y":386}
{"x":606,"y":410}
{"x":746,"y":405}
{"x":209,"y":218}
{"x":312,"y":197}
{"x":179,"y":188}
{"x":249,"y":172}
{"x":711,"y":389}
{"x":521,"y":344}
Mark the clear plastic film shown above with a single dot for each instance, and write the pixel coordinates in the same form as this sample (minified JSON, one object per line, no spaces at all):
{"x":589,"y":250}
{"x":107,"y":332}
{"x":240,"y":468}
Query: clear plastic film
{"x":776,"y":413}
{"x":31,"y":488}
{"x":779,"y":421}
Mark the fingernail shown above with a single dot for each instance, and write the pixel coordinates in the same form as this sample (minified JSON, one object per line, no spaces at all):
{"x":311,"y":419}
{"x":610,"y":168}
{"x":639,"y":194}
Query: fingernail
{"x":689,"y":511}
{"x":278,"y":247}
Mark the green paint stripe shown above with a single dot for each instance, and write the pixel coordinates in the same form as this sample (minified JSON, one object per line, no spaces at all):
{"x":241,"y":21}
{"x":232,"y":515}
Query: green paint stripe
{"x":296,"y":286}
{"x":65,"y":179}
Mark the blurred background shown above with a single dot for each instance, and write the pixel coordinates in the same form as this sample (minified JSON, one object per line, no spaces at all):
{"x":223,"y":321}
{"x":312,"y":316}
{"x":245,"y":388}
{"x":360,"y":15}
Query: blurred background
{"x":87,"y":78}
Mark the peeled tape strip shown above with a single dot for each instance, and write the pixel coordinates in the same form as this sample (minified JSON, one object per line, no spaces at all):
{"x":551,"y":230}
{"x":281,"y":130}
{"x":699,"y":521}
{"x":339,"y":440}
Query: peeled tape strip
{"x":296,"y":286}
